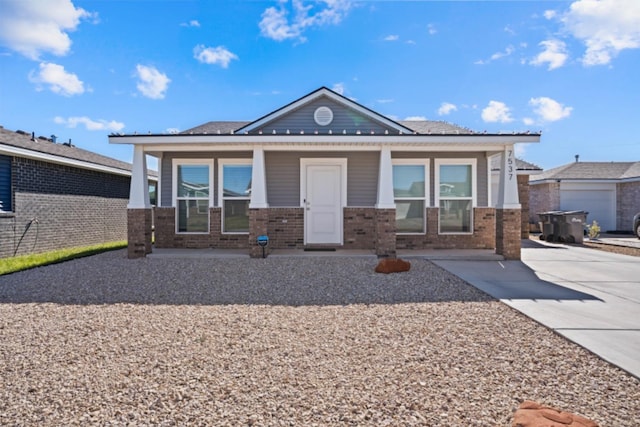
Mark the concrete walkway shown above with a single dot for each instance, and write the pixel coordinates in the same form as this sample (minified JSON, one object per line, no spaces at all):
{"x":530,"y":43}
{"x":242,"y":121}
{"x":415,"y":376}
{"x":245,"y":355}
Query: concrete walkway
{"x":591,"y":297}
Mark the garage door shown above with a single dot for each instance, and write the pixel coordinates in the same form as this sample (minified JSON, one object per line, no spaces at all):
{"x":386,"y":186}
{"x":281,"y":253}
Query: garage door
{"x":601,"y":205}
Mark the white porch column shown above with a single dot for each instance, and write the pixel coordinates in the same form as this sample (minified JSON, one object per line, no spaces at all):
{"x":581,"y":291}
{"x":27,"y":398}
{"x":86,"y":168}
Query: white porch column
{"x":258,"y":181}
{"x":385,"y":181}
{"x":508,"y":190}
{"x":139,"y":190}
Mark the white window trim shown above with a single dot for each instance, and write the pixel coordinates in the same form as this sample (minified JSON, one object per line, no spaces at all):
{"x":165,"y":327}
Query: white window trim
{"x":426,"y":198}
{"x":221,"y":164}
{"x":174,"y":195}
{"x":474,"y":187}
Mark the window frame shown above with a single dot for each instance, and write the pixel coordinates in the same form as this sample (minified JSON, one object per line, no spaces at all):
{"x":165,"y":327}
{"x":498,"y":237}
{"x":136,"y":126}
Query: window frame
{"x":221,"y":198}
{"x":9,"y":196}
{"x":174,"y":172}
{"x":426,"y":198}
{"x":474,"y":189}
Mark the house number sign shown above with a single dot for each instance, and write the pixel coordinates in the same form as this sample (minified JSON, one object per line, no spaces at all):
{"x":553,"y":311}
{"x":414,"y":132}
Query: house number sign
{"x":510,"y":164}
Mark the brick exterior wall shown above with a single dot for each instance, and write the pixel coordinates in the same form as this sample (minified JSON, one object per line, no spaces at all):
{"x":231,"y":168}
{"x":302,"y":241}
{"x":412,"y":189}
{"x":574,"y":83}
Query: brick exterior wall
{"x":259,"y":225}
{"x":286,"y":228}
{"x":73,"y":207}
{"x":139,"y":232}
{"x":385,"y":232}
{"x":523,"y":196}
{"x":627,"y":204}
{"x":359,"y":228}
{"x":543,"y":198}
{"x":483,"y":236}
{"x":508,"y":226}
{"x":166,"y":236}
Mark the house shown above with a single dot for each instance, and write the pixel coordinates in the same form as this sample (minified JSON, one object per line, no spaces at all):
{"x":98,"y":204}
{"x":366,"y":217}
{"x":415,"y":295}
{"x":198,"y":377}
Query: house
{"x":523,"y":171}
{"x":323,"y":172}
{"x":608,"y":191}
{"x":55,"y":195}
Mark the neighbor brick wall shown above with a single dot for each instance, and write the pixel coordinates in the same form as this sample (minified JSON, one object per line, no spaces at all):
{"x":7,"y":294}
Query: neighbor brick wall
{"x":627,"y":204}
{"x":543,"y":198}
{"x":73,"y":207}
{"x":483,"y":236}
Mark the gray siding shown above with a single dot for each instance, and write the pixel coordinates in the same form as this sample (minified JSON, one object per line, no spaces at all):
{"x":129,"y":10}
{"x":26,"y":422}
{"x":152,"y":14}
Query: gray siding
{"x":283,"y":176}
{"x":343,"y":119}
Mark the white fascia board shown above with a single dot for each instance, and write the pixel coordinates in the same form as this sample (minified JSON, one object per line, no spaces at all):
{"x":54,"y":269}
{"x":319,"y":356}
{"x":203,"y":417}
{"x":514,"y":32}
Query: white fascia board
{"x":249,"y":140}
{"x":156,"y":150}
{"x":575,"y":181}
{"x":66,"y":161}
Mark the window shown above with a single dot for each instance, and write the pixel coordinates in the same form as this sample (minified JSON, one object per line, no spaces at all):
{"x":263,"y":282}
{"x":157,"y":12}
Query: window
{"x":456,"y":194}
{"x":410,"y":194}
{"x":192,"y":183}
{"x":234,"y":193}
{"x":5,"y":184}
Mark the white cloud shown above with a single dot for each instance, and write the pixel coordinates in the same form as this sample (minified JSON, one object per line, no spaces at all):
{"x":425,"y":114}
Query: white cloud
{"x":507,"y":52}
{"x":338,"y":88}
{"x":392,"y":38}
{"x":275,"y":23}
{"x":192,"y":23}
{"x":58,"y":79}
{"x":172,"y":131}
{"x":528,"y":121}
{"x":549,"y":110}
{"x":606,"y":27}
{"x":32,"y":27}
{"x":151,"y":82}
{"x":496,"y":111}
{"x":431,"y":29}
{"x":550,"y":14}
{"x":416,"y":119}
{"x":214,"y":55}
{"x":89,"y":124}
{"x":554,"y":53}
{"x":446,"y":108}
{"x":385,"y":101}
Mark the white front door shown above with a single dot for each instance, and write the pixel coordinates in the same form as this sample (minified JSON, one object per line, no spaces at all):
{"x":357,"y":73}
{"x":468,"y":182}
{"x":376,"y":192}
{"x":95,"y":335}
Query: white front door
{"x":322,"y":194}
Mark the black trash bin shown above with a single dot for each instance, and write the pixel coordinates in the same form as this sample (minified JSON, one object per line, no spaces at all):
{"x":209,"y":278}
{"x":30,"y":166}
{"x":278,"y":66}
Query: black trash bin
{"x":571,"y":226}
{"x":547,"y":226}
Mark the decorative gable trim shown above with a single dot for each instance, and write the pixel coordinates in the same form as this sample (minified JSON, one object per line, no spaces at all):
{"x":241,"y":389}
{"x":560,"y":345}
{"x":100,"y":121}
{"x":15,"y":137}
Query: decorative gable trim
{"x":335,"y":97}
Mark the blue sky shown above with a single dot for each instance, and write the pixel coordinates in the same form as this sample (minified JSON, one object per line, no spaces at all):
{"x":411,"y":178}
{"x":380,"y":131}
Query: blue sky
{"x":83,"y":69}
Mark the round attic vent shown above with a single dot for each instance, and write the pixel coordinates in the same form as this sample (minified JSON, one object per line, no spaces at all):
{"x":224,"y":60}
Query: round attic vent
{"x":323,"y":116}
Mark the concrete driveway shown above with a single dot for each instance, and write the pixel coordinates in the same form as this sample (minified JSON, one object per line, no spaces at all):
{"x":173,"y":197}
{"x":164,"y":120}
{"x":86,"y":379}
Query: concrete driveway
{"x":591,"y":297}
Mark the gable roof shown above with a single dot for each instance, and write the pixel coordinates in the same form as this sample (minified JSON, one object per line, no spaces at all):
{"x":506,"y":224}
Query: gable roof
{"x":324,"y":92}
{"x":586,"y":171}
{"x":23,"y":144}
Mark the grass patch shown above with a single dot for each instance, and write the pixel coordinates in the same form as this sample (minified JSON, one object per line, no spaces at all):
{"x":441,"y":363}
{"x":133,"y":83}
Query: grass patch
{"x":24,"y":262}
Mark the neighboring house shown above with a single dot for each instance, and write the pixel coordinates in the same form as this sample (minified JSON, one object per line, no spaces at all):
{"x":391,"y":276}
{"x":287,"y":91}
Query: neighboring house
{"x":608,"y":191}
{"x":56,"y":195}
{"x":325,"y":172}
{"x":524,"y":170}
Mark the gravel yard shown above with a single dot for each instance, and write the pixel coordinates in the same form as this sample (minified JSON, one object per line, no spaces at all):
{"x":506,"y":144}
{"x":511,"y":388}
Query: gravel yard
{"x":281,"y":341}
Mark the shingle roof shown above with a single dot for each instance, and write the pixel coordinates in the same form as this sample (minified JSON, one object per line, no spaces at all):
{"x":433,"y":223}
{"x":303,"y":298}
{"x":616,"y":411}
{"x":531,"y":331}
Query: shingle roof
{"x":592,"y":171}
{"x":24,"y":140}
{"x":214,"y":127}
